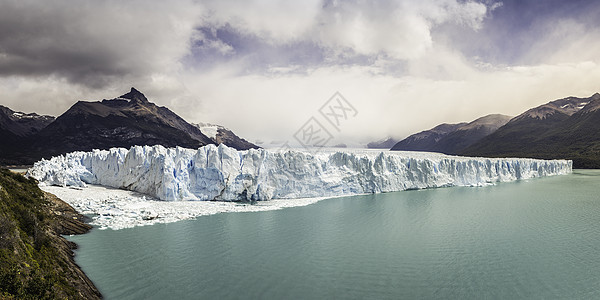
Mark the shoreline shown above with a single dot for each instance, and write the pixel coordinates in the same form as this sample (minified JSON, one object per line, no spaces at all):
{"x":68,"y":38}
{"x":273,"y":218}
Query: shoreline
{"x":71,"y":222}
{"x":37,"y":260}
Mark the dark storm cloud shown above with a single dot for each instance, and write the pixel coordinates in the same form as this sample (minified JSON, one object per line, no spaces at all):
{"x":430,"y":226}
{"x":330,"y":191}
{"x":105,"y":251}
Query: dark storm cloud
{"x":91,"y":42}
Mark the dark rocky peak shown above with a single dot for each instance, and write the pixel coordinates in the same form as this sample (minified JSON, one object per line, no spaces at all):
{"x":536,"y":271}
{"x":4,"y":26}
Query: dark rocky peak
{"x":22,"y":124}
{"x":593,"y":105}
{"x":17,"y":115}
{"x":135,"y":96}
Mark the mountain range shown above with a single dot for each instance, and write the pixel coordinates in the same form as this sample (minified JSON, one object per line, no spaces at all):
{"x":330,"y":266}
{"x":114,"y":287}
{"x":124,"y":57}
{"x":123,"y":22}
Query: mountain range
{"x":566,"y":128}
{"x":452,"y":138}
{"x":385,"y":143}
{"x":124,"y":121}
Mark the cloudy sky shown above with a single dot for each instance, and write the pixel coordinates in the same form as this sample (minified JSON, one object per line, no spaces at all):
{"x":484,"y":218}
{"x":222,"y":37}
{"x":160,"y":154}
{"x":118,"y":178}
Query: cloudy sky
{"x":263,"y":68}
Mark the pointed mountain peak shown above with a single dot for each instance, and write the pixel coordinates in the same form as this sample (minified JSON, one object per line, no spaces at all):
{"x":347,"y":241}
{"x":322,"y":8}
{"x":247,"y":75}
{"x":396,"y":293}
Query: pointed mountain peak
{"x":595,"y":96}
{"x":135,"y":95}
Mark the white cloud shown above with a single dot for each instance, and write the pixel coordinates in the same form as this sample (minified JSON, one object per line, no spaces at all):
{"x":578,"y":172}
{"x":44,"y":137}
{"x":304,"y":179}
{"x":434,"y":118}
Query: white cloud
{"x":275,"y":107}
{"x":399,"y":29}
{"x":564,"y":41}
{"x":275,"y":21}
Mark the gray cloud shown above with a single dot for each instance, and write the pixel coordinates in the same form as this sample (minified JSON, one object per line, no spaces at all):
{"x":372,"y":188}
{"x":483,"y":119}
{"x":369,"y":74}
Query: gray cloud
{"x":96,"y":43}
{"x":93,"y":42}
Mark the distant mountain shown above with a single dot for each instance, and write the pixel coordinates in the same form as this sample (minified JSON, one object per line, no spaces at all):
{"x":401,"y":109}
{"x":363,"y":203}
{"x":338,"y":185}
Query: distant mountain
{"x":386,"y":143}
{"x":452,"y":138}
{"x":470,"y":133}
{"x":16,"y":127}
{"x":121,"y":122}
{"x":565,"y":128}
{"x":222,"y":135}
{"x":124,"y":121}
{"x":22,"y":124}
{"x":426,"y":140}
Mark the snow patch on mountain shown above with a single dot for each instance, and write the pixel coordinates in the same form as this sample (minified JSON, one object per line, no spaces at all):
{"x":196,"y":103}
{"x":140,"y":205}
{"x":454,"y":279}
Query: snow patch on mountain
{"x":223,"y":173}
{"x":210,"y":130}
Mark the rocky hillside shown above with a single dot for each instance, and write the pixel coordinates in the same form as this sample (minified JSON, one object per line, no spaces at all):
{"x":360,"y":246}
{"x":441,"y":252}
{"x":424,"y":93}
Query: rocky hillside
{"x":35,"y":261}
{"x":121,"y":122}
{"x":426,"y":140}
{"x":565,"y":128}
{"x":452,"y":138}
{"x":16,"y":127}
{"x":22,"y":124}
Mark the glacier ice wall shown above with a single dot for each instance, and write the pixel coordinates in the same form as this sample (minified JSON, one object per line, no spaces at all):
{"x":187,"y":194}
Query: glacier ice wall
{"x":223,"y":173}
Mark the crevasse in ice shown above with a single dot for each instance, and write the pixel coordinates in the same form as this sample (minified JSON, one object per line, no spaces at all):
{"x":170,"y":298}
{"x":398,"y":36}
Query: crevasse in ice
{"x":223,"y":173}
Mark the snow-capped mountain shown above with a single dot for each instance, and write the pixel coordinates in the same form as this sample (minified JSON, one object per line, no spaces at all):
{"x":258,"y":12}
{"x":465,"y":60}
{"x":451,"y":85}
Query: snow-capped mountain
{"x":16,"y":128}
{"x":567,"y":107}
{"x":22,"y":124}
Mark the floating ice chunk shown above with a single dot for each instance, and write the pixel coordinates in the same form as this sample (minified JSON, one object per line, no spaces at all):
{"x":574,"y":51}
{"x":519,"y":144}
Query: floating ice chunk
{"x":138,"y":210}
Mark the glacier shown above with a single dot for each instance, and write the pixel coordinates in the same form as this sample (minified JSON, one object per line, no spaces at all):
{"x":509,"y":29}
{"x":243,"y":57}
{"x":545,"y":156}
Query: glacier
{"x":223,"y":173}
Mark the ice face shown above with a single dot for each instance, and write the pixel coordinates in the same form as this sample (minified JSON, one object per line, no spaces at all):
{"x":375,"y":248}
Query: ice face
{"x":223,"y":173}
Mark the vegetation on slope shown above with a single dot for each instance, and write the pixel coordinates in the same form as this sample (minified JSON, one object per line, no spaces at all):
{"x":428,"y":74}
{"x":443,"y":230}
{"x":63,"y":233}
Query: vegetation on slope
{"x":35,"y":261}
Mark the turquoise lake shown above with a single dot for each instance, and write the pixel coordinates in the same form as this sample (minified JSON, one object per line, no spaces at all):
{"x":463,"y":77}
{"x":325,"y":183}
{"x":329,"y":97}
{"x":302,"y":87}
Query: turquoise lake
{"x":533,"y":239}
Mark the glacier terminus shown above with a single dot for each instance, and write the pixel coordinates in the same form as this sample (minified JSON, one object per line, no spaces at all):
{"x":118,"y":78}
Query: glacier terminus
{"x":223,"y":173}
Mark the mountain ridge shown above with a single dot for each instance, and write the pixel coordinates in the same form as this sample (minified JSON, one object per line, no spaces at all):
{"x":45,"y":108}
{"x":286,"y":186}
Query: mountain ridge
{"x":127,"y":120}
{"x":566,"y":128}
{"x":451,"y":138}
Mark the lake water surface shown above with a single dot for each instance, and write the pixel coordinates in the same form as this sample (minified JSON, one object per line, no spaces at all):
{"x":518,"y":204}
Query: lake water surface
{"x":534,"y":239}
